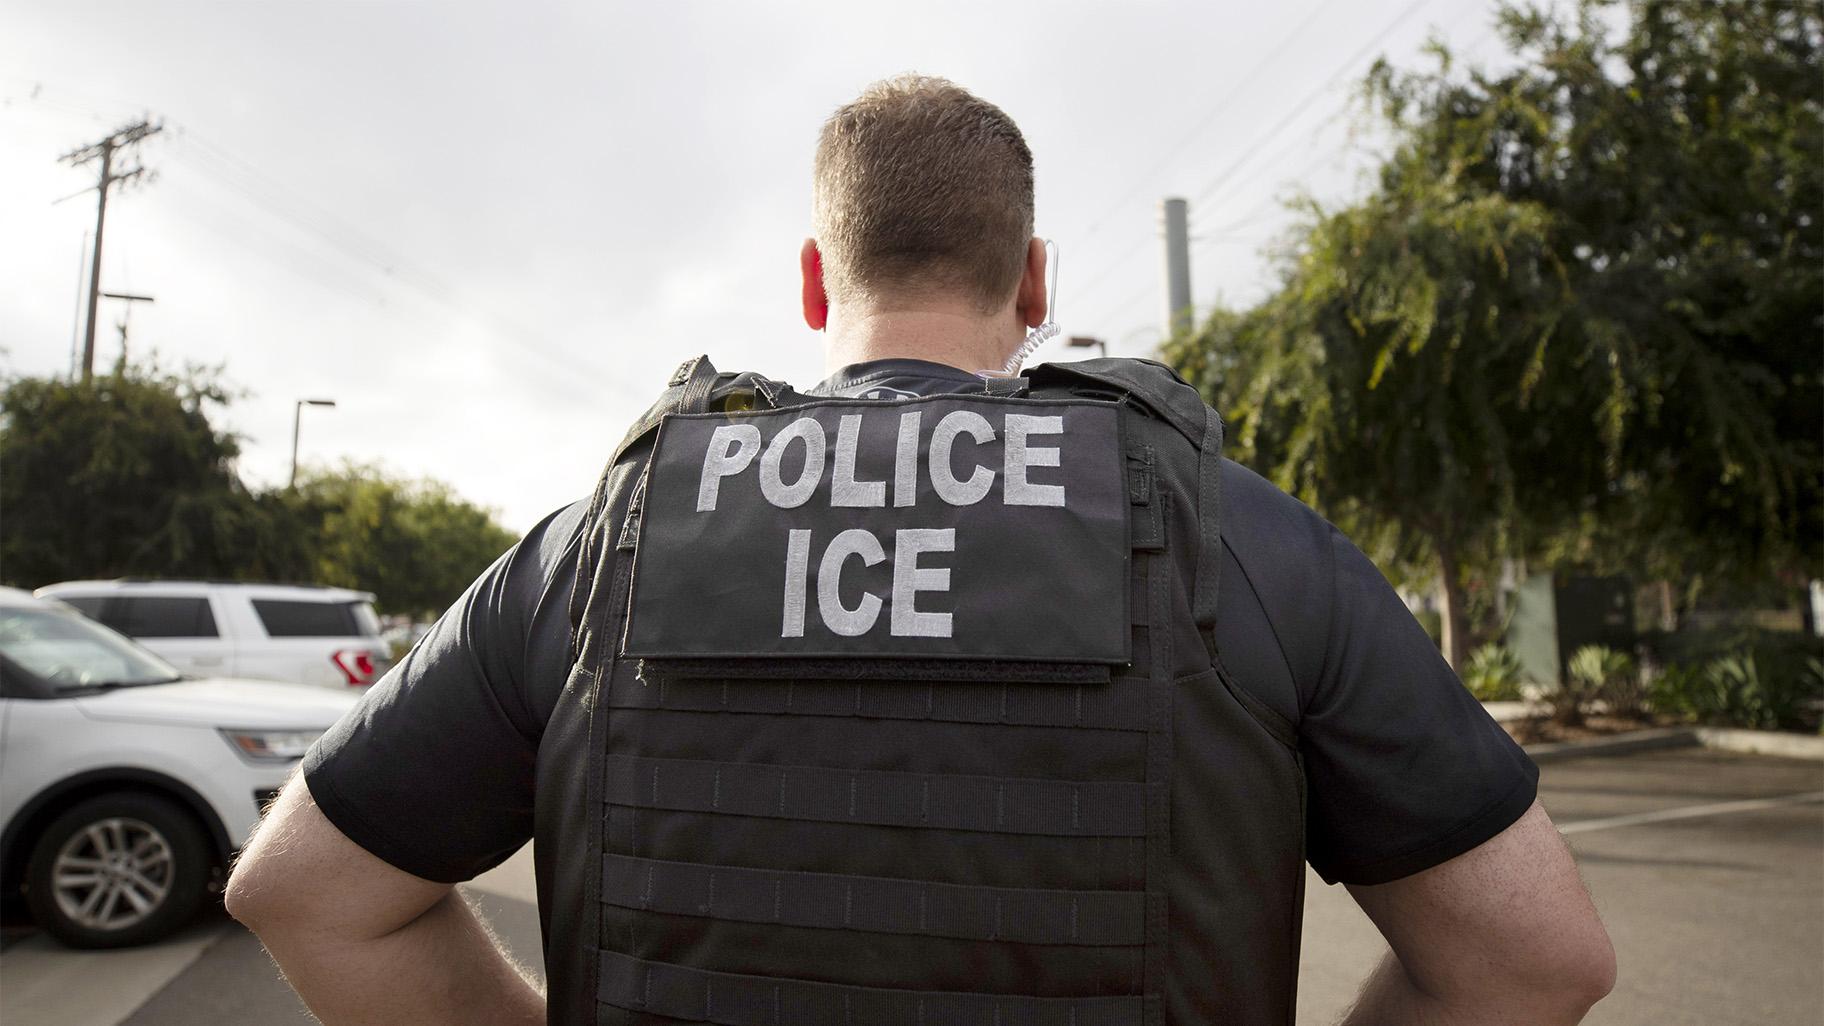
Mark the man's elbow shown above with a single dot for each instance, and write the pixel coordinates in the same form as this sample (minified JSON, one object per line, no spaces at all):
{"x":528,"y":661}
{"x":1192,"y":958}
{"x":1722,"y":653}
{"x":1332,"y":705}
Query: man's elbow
{"x":267,"y":889}
{"x":1579,"y":972}
{"x":1596,"y":977}
{"x":252,"y":896}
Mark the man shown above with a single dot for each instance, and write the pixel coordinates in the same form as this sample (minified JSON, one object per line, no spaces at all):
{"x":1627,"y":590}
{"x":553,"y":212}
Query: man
{"x":925,"y":697}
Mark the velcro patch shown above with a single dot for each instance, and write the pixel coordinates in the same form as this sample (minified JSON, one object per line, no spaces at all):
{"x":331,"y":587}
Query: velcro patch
{"x":946,"y":527}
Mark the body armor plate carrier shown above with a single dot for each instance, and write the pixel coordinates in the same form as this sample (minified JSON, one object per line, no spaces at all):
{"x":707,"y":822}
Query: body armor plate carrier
{"x":880,"y":704}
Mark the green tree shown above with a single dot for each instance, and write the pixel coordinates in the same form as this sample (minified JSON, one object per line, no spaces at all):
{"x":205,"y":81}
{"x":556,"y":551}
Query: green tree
{"x":414,"y":544}
{"x":1578,"y":314}
{"x":123,"y":476}
{"x":1681,"y":166}
{"x":127,"y":476}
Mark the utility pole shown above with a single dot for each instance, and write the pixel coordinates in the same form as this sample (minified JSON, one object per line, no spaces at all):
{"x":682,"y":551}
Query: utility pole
{"x":104,"y":151}
{"x":1178,"y":312}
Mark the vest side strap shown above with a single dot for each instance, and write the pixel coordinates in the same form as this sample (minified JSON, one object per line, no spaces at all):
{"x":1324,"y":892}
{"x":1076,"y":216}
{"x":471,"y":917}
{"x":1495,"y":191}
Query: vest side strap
{"x":1106,"y":706}
{"x":734,"y":999}
{"x":833,"y":901}
{"x":1209,"y":516}
{"x":1005,"y":805}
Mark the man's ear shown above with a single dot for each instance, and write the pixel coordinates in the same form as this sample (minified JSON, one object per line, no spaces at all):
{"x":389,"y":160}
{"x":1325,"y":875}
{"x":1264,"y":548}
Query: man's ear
{"x":1032,"y":303}
{"x":816,"y":300}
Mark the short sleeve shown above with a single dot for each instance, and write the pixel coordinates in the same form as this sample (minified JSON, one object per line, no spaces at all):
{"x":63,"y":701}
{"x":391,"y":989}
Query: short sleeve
{"x":1404,"y":767}
{"x":433,"y":770}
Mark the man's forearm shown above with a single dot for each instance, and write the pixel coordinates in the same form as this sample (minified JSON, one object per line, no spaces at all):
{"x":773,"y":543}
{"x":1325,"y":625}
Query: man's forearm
{"x":442,"y":967}
{"x":1390,"y":997}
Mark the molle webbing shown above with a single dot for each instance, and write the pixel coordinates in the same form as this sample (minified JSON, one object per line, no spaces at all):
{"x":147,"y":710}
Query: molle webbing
{"x":927,"y":800}
{"x":734,"y":999}
{"x":834,"y":901}
{"x":1085,"y":706}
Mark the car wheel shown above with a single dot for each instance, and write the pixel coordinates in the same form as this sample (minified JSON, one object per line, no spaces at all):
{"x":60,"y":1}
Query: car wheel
{"x":116,"y":870}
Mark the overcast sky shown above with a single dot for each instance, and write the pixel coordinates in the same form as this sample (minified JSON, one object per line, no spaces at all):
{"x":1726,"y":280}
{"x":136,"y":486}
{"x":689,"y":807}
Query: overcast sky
{"x":489,"y":231}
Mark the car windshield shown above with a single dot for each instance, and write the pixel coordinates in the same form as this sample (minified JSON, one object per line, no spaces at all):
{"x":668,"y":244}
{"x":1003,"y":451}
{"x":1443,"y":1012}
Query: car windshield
{"x":72,"y":652}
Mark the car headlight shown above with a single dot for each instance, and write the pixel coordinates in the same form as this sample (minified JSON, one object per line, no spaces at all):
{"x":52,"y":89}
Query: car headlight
{"x":272,"y":745}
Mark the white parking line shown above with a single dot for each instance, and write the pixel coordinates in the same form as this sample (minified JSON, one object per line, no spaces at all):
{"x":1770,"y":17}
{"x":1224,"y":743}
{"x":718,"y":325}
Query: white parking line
{"x":47,"y":984}
{"x":1689,"y":812}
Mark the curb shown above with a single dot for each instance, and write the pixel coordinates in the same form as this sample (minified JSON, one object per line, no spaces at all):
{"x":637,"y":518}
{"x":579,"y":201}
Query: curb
{"x":1727,"y":739}
{"x":1763,"y":742}
{"x":1508,"y":712}
{"x":1619,"y":744}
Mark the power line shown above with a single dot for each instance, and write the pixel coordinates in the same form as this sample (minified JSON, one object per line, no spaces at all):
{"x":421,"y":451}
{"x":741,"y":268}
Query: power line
{"x":283,"y":204}
{"x":1279,"y":126}
{"x":1334,"y":154}
{"x":1346,"y":68}
{"x":1250,"y":152}
{"x":124,"y":140}
{"x":1214,"y":112}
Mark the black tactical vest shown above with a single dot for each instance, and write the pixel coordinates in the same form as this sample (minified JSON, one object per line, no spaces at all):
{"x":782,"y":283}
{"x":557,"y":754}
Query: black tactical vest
{"x":872,"y":717}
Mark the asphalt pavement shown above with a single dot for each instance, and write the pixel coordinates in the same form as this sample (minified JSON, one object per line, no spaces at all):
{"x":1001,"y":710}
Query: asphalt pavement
{"x":1708,"y":868}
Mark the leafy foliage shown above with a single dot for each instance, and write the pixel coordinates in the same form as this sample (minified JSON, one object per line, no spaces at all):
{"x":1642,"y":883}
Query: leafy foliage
{"x":1493,"y":674}
{"x":1575,"y":319}
{"x":128,"y":477}
{"x":415,"y":544}
{"x":125,"y":476}
{"x":1757,"y":679}
{"x":1596,"y":672}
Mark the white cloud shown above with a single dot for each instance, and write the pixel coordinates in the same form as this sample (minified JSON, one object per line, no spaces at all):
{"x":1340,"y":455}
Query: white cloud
{"x":490,"y":230}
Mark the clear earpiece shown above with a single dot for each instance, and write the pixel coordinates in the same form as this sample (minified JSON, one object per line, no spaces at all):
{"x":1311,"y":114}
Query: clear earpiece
{"x":1043,"y":333}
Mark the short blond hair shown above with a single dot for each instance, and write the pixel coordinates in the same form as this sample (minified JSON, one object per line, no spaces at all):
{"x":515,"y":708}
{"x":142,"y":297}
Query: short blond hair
{"x":922,"y":186}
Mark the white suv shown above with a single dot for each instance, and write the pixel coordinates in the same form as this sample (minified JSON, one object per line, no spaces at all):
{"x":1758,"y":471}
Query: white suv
{"x":124,"y":788}
{"x":305,"y":634}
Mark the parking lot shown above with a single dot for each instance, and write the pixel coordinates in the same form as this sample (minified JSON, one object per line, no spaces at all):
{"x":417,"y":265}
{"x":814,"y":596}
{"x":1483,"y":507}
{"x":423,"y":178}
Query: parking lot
{"x":1708,"y":868}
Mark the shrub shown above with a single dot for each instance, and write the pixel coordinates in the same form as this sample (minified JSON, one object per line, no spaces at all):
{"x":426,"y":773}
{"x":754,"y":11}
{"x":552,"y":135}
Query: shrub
{"x":1765,"y":681}
{"x":1493,"y":674}
{"x":1595,"y":671}
{"x":1734,"y":691}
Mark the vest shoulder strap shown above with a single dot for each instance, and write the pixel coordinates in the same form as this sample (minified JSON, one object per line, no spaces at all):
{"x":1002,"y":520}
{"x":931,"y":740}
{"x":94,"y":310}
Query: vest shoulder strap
{"x":697,"y":387}
{"x":1170,"y":398}
{"x":1152,"y":384}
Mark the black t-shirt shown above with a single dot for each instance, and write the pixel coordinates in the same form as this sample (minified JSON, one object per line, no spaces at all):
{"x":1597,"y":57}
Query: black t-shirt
{"x":434,"y":770}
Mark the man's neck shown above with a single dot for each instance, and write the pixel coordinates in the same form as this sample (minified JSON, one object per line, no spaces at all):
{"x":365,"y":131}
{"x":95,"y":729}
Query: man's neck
{"x":968,"y":341}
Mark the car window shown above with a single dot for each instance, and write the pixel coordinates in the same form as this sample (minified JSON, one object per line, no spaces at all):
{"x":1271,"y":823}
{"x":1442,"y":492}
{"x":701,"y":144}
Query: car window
{"x":288,"y":618}
{"x":161,"y":616}
{"x":69,"y":651}
{"x":87,"y":605}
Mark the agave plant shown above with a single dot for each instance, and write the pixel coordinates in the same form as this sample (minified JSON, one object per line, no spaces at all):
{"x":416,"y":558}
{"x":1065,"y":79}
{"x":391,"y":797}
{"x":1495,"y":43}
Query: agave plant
{"x":1493,"y":674}
{"x":1596,"y":671}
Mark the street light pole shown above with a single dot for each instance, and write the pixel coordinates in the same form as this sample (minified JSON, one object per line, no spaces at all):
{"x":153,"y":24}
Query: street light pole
{"x":297,"y":415}
{"x":1086,"y":341}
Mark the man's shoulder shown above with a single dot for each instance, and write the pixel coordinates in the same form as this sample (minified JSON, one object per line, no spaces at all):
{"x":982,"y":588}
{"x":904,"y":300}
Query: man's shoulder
{"x":552,"y":543}
{"x":1263,"y":524}
{"x":1278,"y":591}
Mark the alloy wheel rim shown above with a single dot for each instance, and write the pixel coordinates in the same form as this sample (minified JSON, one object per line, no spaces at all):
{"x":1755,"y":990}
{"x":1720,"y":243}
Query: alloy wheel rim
{"x":112,"y":874}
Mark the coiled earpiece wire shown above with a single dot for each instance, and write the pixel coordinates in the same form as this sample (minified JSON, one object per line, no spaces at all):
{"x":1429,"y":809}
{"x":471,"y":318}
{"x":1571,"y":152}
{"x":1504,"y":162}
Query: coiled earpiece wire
{"x":1044,"y":332}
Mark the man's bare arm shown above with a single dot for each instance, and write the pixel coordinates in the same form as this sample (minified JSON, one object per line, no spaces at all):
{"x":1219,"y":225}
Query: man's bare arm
{"x":1501,"y":934}
{"x":362,"y":941}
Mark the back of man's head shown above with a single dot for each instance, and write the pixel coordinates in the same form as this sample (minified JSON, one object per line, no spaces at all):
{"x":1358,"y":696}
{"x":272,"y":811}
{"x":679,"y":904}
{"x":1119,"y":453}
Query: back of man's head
{"x":922,"y":188}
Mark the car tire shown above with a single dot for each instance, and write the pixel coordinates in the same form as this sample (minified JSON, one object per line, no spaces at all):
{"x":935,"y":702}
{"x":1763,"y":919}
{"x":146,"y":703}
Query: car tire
{"x":117,"y":870}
